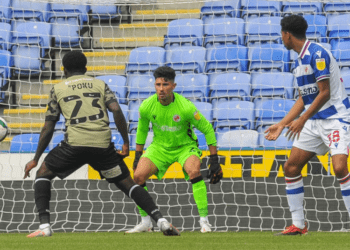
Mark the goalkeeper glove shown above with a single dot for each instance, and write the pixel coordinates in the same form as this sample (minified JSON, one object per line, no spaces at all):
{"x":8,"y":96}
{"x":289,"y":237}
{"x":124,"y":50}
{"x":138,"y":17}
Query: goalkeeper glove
{"x":215,"y":172}
{"x":137,"y":159}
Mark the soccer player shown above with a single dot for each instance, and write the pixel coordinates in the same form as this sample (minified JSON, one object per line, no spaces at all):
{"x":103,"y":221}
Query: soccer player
{"x":83,"y":101}
{"x":173,"y":117}
{"x":323,"y":127}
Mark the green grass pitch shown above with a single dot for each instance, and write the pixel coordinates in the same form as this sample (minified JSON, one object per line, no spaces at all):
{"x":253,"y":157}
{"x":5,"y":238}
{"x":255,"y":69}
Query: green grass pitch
{"x":187,"y":240}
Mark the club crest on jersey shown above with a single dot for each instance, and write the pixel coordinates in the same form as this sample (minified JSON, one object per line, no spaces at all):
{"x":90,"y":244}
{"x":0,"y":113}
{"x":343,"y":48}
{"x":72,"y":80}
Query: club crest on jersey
{"x":176,"y":118}
{"x":320,"y":64}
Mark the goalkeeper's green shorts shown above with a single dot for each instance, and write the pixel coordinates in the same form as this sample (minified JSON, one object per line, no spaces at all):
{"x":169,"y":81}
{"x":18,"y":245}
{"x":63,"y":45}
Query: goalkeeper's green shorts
{"x":163,"y":157}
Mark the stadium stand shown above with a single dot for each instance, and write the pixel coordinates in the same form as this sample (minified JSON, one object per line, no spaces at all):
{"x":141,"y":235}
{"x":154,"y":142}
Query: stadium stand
{"x":186,"y":59}
{"x":230,"y":8}
{"x":145,"y":59}
{"x":5,"y":36}
{"x":289,"y":8}
{"x":140,"y":87}
{"x":5,"y":11}
{"x":254,"y":8}
{"x":105,"y":12}
{"x":192,"y":86}
{"x":117,"y":84}
{"x":261,"y":30}
{"x":238,"y":139}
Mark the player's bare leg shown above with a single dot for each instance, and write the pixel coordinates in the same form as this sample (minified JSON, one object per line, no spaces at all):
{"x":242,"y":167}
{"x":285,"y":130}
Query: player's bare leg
{"x":295,"y":190}
{"x":192,"y":168}
{"x":42,"y":191}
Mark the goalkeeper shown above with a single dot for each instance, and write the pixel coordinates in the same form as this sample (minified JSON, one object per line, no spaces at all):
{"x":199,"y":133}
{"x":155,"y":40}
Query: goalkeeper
{"x":173,"y":117}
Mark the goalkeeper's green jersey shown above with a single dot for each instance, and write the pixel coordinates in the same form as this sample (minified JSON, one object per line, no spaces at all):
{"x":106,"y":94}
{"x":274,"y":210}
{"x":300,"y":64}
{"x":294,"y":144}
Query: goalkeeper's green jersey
{"x":172,"y":124}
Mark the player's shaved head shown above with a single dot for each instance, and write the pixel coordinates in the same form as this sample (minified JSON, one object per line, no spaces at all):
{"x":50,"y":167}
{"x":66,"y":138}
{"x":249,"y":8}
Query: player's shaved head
{"x":165,"y":72}
{"x":296,"y":25}
{"x":74,"y":61}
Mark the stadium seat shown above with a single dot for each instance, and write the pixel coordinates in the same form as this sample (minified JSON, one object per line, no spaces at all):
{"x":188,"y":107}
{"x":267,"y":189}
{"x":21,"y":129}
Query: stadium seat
{"x":62,"y":9}
{"x":337,"y":7}
{"x":206,"y":109}
{"x":145,"y":59}
{"x":125,"y":110}
{"x":261,"y":30}
{"x":229,"y":86}
{"x":133,"y":115}
{"x":31,"y":40}
{"x":281,"y":142}
{"x":341,"y":52}
{"x":272,"y":85}
{"x":117,"y":139}
{"x":25,"y":143}
{"x":29,"y":10}
{"x":317,"y":28}
{"x":289,"y":8}
{"x":232,"y":115}
{"x":184,"y":32}
{"x":61,"y":123}
{"x":227,"y":58}
{"x":269,"y":57}
{"x":192,"y":86}
{"x":224,"y":31}
{"x":56,"y":139}
{"x":5,"y":11}
{"x":338,"y":27}
{"x":147,"y":143}
{"x":186,"y":59}
{"x":117,"y":84}
{"x":254,"y":8}
{"x":215,"y":9}
{"x":140,"y":87}
{"x":105,"y":12}
{"x":237,"y":139}
{"x":346,"y":81}
{"x":271,"y":111}
{"x":5,"y":36}
{"x":5,"y":70}
{"x":202,"y":143}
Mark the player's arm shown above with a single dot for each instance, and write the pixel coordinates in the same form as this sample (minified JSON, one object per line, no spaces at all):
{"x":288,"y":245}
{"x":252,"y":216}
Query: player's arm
{"x":51,"y":118}
{"x":141,"y":135}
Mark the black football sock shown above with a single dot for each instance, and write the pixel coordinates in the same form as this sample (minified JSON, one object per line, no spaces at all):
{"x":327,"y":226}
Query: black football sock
{"x":42,"y":193}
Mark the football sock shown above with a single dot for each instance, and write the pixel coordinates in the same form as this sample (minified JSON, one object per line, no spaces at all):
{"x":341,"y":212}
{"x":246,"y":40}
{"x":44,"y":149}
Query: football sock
{"x":345,"y":190}
{"x":144,"y":200}
{"x":200,"y":195}
{"x":42,"y":193}
{"x":295,"y":197}
{"x":143,"y":212}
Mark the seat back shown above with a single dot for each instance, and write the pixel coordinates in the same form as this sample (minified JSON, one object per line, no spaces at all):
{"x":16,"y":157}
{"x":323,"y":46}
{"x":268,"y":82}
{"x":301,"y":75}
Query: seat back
{"x":192,"y":86}
{"x":338,"y":27}
{"x":145,"y":59}
{"x":30,"y":10}
{"x":290,"y":8}
{"x":5,"y":10}
{"x":140,"y":87}
{"x":36,"y":33}
{"x":254,"y":8}
{"x":5,"y":36}
{"x":186,"y":59}
{"x":206,"y":109}
{"x":262,"y":30}
{"x":117,"y":84}
{"x":238,"y":139}
{"x":215,"y":9}
{"x":61,"y":9}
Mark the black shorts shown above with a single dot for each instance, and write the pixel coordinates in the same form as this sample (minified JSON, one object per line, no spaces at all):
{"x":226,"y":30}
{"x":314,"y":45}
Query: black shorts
{"x":64,"y":159}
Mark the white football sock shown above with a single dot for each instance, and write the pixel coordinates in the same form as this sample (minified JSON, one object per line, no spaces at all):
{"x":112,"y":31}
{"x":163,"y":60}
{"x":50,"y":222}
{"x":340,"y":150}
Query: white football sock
{"x":345,"y":190}
{"x":146,"y":219}
{"x":295,"y":197}
{"x":42,"y":226}
{"x":204,"y":219}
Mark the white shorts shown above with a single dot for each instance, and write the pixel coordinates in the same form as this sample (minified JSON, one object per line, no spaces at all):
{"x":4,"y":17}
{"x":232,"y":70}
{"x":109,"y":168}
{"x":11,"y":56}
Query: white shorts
{"x":321,"y":136}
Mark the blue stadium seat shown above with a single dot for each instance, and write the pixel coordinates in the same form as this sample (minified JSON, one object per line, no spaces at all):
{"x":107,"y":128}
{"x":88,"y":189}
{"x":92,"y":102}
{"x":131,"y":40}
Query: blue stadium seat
{"x":223,"y":31}
{"x":227,"y":58}
{"x":254,"y":8}
{"x":269,"y":57}
{"x":231,"y":115}
{"x":206,"y":109}
{"x":56,"y":139}
{"x":5,"y":70}
{"x":186,"y":59}
{"x":317,"y":28}
{"x":272,"y":85}
{"x":237,"y":139}
{"x":133,"y":115}
{"x":147,"y":143}
{"x":5,"y":36}
{"x":261,"y":30}
{"x":5,"y":11}
{"x":184,"y":32}
{"x":25,"y":143}
{"x":289,"y":8}
{"x":281,"y":142}
{"x":67,"y":21}
{"x":125,"y":110}
{"x":202,"y":143}
{"x":337,"y":7}
{"x":31,"y":40}
{"x":29,"y":10}
{"x":140,"y":86}
{"x":346,"y":82}
{"x":341,"y":52}
{"x":271,"y":111}
{"x":117,"y":139}
{"x":105,"y":12}
{"x":230,"y":86}
{"x":338,"y":27}
{"x":192,"y":86}
{"x":117,"y":84}
{"x":215,"y":9}
{"x":145,"y":59}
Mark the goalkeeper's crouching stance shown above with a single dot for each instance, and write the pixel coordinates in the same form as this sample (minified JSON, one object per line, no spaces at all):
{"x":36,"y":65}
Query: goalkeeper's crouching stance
{"x":173,"y":117}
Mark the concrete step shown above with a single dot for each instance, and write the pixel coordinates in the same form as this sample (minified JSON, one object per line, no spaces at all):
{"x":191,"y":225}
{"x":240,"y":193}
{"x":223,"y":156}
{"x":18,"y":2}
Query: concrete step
{"x":165,"y":14}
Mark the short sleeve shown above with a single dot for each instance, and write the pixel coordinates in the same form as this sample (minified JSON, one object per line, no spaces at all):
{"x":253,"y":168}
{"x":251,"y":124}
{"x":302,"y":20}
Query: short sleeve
{"x":53,"y":109}
{"x":320,"y":63}
{"x":109,"y":96}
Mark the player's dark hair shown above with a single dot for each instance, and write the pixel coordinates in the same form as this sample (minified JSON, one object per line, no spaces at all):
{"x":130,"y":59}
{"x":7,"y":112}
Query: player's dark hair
{"x":165,"y":72}
{"x":296,"y":25}
{"x":74,"y":61}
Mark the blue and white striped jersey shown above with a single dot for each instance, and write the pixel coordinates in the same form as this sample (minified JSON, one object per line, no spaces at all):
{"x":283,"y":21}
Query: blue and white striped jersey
{"x":315,"y":63}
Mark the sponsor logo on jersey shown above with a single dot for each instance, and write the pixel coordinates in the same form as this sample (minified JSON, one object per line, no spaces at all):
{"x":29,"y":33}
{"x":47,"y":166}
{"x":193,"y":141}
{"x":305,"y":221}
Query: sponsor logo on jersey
{"x":309,"y":91}
{"x":320,"y":64}
{"x":197,"y":116}
{"x":176,"y":118}
{"x":154,"y":117}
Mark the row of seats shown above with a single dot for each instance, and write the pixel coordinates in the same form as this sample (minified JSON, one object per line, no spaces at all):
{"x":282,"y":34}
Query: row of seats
{"x":28,"y":143}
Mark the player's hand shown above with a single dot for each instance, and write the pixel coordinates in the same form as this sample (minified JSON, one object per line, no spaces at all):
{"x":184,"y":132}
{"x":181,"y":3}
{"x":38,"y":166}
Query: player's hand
{"x":215,"y":172}
{"x":125,"y":150}
{"x":273,"y":132}
{"x":30,"y":165}
{"x":295,"y":128}
{"x":138,"y":155}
